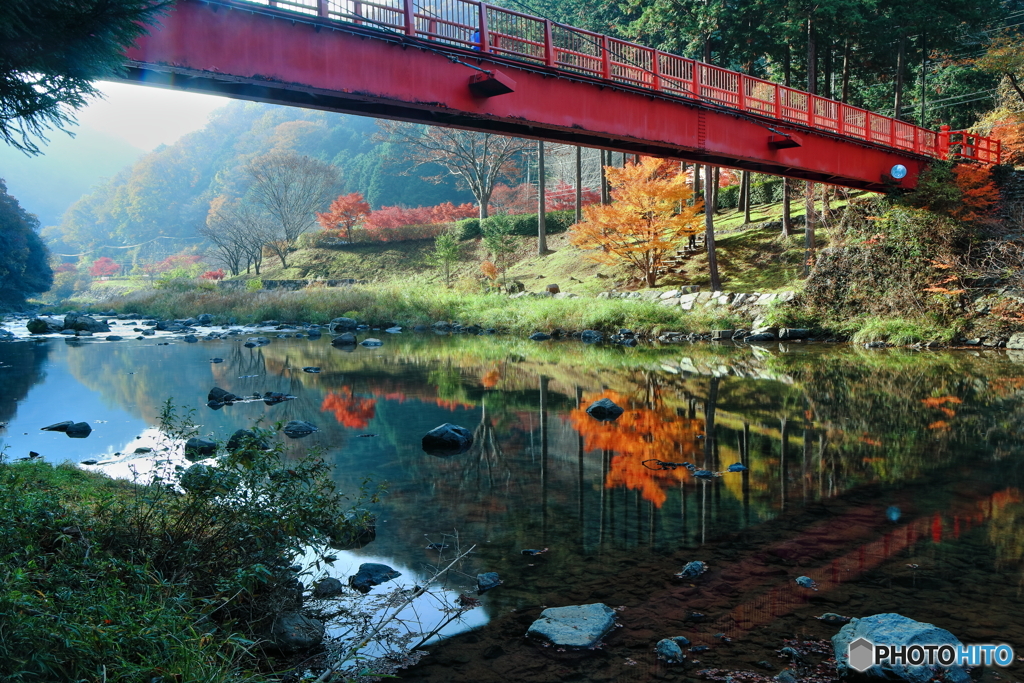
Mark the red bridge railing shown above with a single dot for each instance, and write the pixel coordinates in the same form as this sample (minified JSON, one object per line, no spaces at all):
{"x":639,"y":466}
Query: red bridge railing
{"x":477,"y":26}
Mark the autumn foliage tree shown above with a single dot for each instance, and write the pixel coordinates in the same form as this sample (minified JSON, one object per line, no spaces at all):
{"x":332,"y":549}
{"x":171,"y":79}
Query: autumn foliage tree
{"x":344,"y":213}
{"x":104,"y":267}
{"x":643,"y":223}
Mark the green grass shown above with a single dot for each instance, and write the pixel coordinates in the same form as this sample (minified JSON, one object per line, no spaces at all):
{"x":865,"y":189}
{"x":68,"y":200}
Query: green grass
{"x":411,"y":305}
{"x":899,"y":331}
{"x":71,"y":611}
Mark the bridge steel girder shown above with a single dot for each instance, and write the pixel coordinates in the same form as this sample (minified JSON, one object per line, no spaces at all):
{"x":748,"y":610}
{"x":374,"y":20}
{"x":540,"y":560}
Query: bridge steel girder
{"x":256,"y":53}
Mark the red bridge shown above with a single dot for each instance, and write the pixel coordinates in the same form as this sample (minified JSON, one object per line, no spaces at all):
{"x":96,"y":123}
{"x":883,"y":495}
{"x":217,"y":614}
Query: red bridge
{"x":471,"y":65}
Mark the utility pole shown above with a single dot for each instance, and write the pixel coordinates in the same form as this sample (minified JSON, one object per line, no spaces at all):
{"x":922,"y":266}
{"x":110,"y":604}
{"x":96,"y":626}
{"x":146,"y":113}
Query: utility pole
{"x":579,"y":184}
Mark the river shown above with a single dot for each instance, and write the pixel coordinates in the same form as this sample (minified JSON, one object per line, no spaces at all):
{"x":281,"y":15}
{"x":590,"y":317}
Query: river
{"x":892,"y":478}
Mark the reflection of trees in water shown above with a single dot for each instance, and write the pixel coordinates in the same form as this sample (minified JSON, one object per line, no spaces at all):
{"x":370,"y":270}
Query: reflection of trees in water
{"x":22,"y":366}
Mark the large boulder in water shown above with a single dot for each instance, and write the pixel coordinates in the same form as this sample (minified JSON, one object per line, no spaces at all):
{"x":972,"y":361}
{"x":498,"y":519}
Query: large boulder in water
{"x":604,"y":410}
{"x":341,"y":325}
{"x":371,"y":574}
{"x":84,"y":323}
{"x":447,"y":439}
{"x":296,"y":429}
{"x":78,"y":430}
{"x":44,"y":326}
{"x":293,"y":632}
{"x":197,"y":448}
{"x":344,"y":339}
{"x":893,"y":630}
{"x":574,"y":625}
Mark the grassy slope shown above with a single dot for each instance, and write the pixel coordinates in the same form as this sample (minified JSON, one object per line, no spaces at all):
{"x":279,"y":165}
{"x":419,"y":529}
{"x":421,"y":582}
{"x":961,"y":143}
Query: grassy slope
{"x":749,"y":259}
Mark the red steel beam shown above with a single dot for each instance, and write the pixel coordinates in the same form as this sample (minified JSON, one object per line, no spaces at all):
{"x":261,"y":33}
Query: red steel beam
{"x":257,"y":53}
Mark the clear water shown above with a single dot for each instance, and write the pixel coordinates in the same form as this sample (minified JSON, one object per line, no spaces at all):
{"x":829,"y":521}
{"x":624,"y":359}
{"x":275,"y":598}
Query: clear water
{"x":891,"y":478}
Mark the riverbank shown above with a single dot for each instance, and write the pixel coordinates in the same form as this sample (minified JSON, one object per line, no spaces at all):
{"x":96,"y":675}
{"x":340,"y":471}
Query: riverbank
{"x":184,"y":573}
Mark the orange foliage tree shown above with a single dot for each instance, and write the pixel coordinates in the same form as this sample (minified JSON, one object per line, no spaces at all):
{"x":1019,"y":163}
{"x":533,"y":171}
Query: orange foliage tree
{"x":344,"y":213}
{"x":641,"y":434}
{"x":349,"y":410}
{"x":643,"y":223}
{"x":979,"y":194}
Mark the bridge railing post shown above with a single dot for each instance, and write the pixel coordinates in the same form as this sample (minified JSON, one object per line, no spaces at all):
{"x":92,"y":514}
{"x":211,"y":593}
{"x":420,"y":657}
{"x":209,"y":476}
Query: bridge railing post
{"x":485,"y":38}
{"x":741,"y":99}
{"x":943,"y":142}
{"x":778,"y":102}
{"x":696,"y":79}
{"x":549,"y":44}
{"x":656,"y":69}
{"x":321,"y":8}
{"x":410,"y":17}
{"x":606,"y":60}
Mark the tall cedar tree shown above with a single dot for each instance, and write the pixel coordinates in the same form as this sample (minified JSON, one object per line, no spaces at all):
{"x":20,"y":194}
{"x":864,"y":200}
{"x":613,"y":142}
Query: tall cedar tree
{"x":51,"y":54}
{"x":641,"y":225}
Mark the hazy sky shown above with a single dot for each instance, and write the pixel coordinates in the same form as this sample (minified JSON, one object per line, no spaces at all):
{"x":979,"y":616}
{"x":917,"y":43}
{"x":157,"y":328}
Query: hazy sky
{"x":146,"y":117}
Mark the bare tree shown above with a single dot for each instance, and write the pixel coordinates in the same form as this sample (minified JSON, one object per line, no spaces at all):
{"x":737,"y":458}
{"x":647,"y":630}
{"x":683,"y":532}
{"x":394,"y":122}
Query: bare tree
{"x":290,"y":188}
{"x":238,"y":230}
{"x":478,"y":160}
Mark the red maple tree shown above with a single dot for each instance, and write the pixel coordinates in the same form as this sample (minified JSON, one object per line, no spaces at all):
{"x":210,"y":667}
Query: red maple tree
{"x":344,"y":213}
{"x":104,"y":267}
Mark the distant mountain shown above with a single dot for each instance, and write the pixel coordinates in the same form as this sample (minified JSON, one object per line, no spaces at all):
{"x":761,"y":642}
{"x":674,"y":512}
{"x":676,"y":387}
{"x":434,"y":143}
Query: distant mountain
{"x":155,"y":206}
{"x":70,"y":167}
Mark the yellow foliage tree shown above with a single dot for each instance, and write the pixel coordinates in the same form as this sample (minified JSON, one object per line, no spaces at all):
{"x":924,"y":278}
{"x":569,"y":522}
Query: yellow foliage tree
{"x":643,"y":223}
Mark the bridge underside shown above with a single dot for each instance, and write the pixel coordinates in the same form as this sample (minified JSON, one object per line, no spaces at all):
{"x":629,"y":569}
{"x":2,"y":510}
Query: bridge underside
{"x":261,"y":55}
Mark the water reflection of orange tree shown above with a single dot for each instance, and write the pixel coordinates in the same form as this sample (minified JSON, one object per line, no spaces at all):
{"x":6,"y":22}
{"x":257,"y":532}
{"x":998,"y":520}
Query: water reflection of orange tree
{"x":646,"y":430}
{"x":348,"y":409}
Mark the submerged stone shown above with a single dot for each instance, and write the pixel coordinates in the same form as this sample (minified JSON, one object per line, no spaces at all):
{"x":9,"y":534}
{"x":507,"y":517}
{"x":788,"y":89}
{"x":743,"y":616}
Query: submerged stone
{"x":604,"y":410}
{"x":371,"y":574}
{"x":296,"y":429}
{"x":447,"y":439}
{"x":670,"y":650}
{"x":487,"y":581}
{"x":893,"y":630}
{"x":574,"y":625}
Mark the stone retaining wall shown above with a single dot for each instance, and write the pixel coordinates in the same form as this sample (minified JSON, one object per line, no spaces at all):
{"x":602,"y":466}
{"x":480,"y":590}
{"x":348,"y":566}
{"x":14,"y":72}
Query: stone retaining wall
{"x":290,"y":285}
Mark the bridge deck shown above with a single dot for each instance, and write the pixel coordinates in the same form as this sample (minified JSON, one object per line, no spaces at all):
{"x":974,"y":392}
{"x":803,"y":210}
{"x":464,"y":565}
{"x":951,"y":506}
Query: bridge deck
{"x":408,"y":60}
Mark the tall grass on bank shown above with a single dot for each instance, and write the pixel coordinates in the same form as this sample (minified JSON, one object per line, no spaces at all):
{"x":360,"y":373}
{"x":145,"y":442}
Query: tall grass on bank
{"x":424,"y":305}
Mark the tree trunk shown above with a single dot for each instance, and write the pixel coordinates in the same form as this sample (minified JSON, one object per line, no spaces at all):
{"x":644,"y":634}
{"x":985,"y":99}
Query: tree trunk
{"x":826,"y":80}
{"x":787,"y":220}
{"x":812,"y":57}
{"x":696,"y":182}
{"x":742,"y":189}
{"x":846,"y":71}
{"x":542,"y":228}
{"x":605,"y":199}
{"x":809,"y":229}
{"x":924,"y":77}
{"x":901,"y":57}
{"x":709,"y":229}
{"x":579,"y":184}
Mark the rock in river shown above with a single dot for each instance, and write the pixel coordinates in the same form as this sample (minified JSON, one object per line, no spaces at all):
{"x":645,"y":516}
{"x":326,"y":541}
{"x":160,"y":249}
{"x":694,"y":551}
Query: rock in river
{"x":58,"y":426}
{"x":893,"y":630}
{"x":296,"y":429}
{"x":197,"y":448}
{"x":604,"y":410}
{"x":574,"y":625}
{"x":328,"y":588}
{"x":371,"y":342}
{"x":371,"y":574}
{"x":670,"y":650}
{"x":293,"y":632}
{"x":447,"y":439}
{"x":487,"y":581}
{"x":79,"y":430}
{"x":246,"y":438}
{"x":345,"y":339}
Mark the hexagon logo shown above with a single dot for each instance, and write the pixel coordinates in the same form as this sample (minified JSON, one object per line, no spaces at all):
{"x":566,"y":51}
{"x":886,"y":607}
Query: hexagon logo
{"x":860,"y":654}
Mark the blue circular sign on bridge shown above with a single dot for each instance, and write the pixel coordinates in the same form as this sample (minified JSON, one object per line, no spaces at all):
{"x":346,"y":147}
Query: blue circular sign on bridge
{"x":899,"y":172}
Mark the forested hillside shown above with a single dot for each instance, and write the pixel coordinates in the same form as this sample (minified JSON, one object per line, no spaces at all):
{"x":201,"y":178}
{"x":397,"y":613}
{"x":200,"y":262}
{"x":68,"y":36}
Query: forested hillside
{"x":155,"y":207}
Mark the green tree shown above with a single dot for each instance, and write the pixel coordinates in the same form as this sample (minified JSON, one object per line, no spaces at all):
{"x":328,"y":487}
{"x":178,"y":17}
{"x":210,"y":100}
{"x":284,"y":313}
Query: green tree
{"x":24,"y":260}
{"x":500,"y":241}
{"x":51,"y":53}
{"x":445,"y":255}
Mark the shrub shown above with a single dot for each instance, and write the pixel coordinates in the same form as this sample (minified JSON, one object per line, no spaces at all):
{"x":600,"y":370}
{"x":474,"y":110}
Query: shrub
{"x":467,"y":228}
{"x":253,"y":285}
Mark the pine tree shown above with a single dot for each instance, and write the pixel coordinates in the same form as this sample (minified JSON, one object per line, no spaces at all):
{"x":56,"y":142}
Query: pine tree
{"x":52,"y":52}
